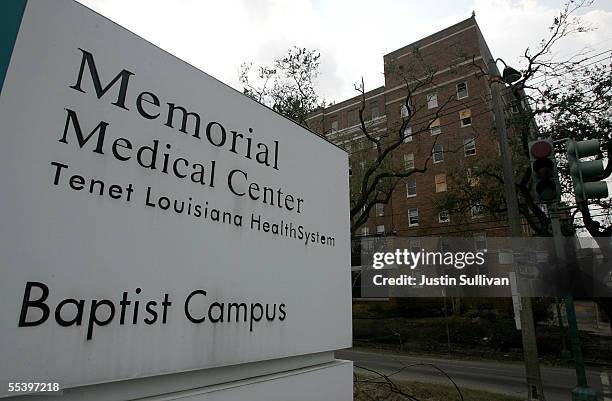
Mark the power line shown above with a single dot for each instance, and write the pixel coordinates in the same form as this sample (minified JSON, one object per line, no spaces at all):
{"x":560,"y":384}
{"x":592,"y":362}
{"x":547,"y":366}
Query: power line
{"x":456,"y":108}
{"x":477,"y":101}
{"x":425,"y":130}
{"x":581,"y":66}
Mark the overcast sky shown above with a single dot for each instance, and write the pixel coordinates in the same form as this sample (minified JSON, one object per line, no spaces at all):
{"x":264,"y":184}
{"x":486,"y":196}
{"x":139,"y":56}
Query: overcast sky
{"x":352,"y":35}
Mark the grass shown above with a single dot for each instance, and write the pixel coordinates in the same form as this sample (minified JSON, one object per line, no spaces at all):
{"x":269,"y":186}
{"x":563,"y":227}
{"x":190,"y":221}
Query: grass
{"x":368,"y":389}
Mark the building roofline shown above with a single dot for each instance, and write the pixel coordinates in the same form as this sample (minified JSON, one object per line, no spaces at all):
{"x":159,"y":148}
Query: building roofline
{"x":334,"y":107}
{"x":432,"y":37}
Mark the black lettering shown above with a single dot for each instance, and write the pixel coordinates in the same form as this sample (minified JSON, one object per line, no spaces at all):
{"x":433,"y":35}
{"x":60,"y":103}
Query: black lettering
{"x":78,"y":318}
{"x":238,"y":306}
{"x":123,"y":143}
{"x":59,"y":166}
{"x":124,"y":302}
{"x":235,"y":136}
{"x":77,"y":182}
{"x":263,"y":153}
{"x":187,"y":313}
{"x":220,"y":308}
{"x":175,"y":167}
{"x":147,"y":200}
{"x":92,"y":186}
{"x":258,"y":318}
{"x":208,"y":133}
{"x":152,"y":150}
{"x":38,"y":303}
{"x":186,"y":114}
{"x":93,"y":317}
{"x":115,"y":191}
{"x":149,"y":308}
{"x":154,"y":100}
{"x":270,"y":318}
{"x":101,"y":128}
{"x":124,"y":75}
{"x":165,"y":304}
{"x":229,"y":181}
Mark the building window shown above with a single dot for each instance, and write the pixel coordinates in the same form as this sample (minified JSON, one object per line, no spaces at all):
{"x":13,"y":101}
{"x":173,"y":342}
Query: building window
{"x":411,"y":188}
{"x":407,"y":134}
{"x":380,"y":209}
{"x":334,"y":125}
{"x":466,"y":117}
{"x":438,"y":153}
{"x":444,"y":217}
{"x":365,"y":231}
{"x":469,"y":146}
{"x":472,"y":177}
{"x":404,"y":111}
{"x":462,"y":90}
{"x":409,"y":161}
{"x":380,"y":229}
{"x":514,"y":108}
{"x":432,"y":100}
{"x":480,"y":241}
{"x":374,"y":110}
{"x":434,"y":127}
{"x":440,"y":180}
{"x":413,"y":217}
{"x":477,"y":211}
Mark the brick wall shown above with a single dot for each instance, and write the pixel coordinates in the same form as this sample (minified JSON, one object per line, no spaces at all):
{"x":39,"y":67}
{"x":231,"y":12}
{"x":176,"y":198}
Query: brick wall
{"x":450,"y":57}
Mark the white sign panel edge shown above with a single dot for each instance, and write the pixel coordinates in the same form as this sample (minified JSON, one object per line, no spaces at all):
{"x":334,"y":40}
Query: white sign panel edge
{"x":72,"y":234}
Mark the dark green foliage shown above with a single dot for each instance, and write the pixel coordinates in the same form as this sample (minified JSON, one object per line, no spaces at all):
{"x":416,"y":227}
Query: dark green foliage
{"x":289,"y":86}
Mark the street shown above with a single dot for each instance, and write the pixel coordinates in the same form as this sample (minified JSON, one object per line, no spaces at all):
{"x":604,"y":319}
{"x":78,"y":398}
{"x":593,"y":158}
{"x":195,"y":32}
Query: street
{"x":501,"y":377}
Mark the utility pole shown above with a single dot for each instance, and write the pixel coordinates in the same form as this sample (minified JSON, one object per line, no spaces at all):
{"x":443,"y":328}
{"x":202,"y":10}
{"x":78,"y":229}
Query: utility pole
{"x":535,"y":389}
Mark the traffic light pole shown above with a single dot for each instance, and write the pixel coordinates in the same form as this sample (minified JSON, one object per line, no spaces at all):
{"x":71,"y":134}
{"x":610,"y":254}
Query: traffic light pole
{"x":582,"y":391}
{"x":535,"y":389}
{"x":565,"y":353}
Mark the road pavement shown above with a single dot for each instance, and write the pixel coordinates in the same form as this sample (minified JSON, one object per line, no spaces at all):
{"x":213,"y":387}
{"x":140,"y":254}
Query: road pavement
{"x":500,"y":377}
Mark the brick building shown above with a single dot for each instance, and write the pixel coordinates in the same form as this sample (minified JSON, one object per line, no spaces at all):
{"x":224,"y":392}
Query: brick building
{"x":450,"y":132}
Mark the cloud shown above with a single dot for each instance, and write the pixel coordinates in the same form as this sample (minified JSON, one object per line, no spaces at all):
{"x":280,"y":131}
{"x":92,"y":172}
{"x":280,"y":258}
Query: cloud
{"x":510,"y":27}
{"x":352,"y":36}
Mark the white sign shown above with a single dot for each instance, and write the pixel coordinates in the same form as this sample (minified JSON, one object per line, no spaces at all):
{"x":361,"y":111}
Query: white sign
{"x":154,"y":220}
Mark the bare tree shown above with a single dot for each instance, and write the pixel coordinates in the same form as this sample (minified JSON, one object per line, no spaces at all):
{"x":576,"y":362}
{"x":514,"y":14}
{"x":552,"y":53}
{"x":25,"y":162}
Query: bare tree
{"x":553,"y":98}
{"x":371,"y":384}
{"x":561,"y":99}
{"x":288,"y":87}
{"x":375,"y":182}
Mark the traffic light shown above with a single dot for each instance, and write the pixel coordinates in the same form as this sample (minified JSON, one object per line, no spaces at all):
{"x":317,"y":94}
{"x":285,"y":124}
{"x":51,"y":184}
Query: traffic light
{"x":586,"y":175}
{"x":544,"y":171}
